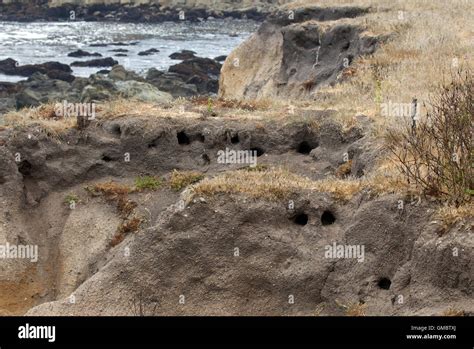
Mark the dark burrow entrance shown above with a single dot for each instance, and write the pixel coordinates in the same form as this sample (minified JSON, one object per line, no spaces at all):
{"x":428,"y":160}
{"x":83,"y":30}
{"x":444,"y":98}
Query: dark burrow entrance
{"x":183,"y":138}
{"x":301,"y":219}
{"x":25,"y":168}
{"x":327,"y":218}
{"x":258,"y":150}
{"x":384,"y":283}
{"x":304,"y":148}
{"x":116,"y":130}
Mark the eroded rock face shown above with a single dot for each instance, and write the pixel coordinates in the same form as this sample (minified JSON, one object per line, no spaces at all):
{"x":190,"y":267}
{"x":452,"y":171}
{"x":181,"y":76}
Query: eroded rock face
{"x":290,"y":58}
{"x":192,"y":251}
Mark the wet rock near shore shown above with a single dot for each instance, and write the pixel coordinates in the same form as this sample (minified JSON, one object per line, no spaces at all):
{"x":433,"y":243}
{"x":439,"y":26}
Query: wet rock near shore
{"x":100,"y":62}
{"x":54,"y":70}
{"x":81,"y":53}
{"x":171,"y":83}
{"x":119,"y":73}
{"x":220,"y":58}
{"x":148,"y":52}
{"x":143,"y":13}
{"x":201,"y":72}
{"x":53,"y":82}
{"x":183,"y":55}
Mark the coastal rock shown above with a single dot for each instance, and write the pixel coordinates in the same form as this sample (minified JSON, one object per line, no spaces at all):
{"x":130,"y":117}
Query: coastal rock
{"x":136,"y":11}
{"x":142,"y":91}
{"x":81,"y":53}
{"x":292,"y":60}
{"x":55,"y":70}
{"x":183,"y":55}
{"x":39,"y":89}
{"x":220,"y":58}
{"x":100,"y":62}
{"x":201,"y":72}
{"x":148,"y":52}
{"x":118,"y":72}
{"x":171,"y":83}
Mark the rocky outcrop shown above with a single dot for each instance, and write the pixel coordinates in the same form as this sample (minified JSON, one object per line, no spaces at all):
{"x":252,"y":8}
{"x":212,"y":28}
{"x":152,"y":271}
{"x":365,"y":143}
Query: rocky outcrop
{"x":47,"y":83}
{"x":99,"y":62}
{"x":118,"y":72}
{"x":193,"y":76}
{"x":54,"y":70}
{"x":292,"y":56}
{"x":171,"y":82}
{"x":152,"y":11}
{"x":228,"y":254}
{"x":81,"y":53}
{"x":183,"y":55}
{"x":201,"y":72}
{"x":40,"y":89}
{"x":148,"y":52}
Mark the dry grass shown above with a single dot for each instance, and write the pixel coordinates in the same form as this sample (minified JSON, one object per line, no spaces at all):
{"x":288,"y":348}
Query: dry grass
{"x":452,"y":312}
{"x":247,"y":105}
{"x":126,"y":227}
{"x":125,"y":206}
{"x":181,"y":179}
{"x":273,"y":184}
{"x":118,"y":194}
{"x":352,"y":309}
{"x":344,"y":170}
{"x":111,"y":190}
{"x":356,"y":309}
{"x":44,"y":116}
{"x":452,"y":215}
{"x":425,"y":37}
{"x":129,"y":226}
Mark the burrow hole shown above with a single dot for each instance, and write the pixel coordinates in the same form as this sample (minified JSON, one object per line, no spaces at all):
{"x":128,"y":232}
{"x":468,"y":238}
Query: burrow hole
{"x":301,"y":219}
{"x":200,"y":137}
{"x":25,"y":168}
{"x":116,"y":130}
{"x":106,"y":158}
{"x":153,"y":143}
{"x":384,"y":283}
{"x":183,"y":138}
{"x":235,"y":139}
{"x":327,"y":218}
{"x":206,"y":158}
{"x":258,"y":150}
{"x":304,"y":148}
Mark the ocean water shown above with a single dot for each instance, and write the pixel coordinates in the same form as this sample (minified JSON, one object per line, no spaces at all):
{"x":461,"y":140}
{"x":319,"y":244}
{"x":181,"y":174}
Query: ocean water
{"x":39,"y":42}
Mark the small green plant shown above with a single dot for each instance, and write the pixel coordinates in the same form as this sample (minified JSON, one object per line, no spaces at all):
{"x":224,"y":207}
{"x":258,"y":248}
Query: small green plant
{"x":147,"y":182}
{"x":71,"y":199}
{"x":181,"y":179}
{"x":209,"y":105}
